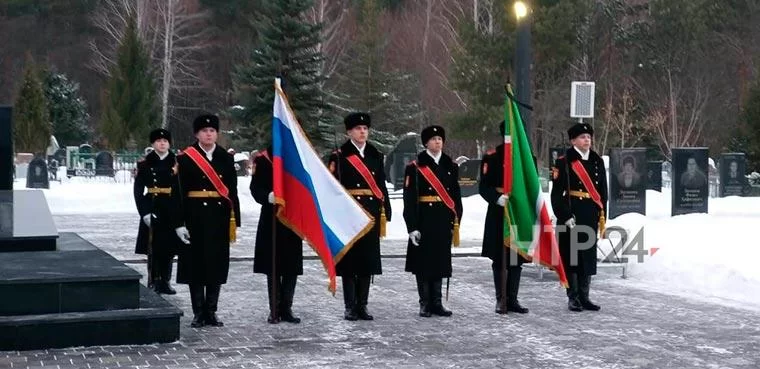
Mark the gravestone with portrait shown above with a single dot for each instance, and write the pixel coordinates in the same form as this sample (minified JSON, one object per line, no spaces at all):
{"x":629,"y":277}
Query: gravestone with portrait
{"x":104,"y":164}
{"x":732,"y":180}
{"x":689,"y":180}
{"x":554,"y":154}
{"x":37,"y":174}
{"x":627,"y":181}
{"x":469,"y":175}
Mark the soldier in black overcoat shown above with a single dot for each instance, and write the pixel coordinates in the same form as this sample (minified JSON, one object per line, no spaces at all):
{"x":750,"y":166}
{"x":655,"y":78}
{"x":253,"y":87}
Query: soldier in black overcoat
{"x":289,"y":247}
{"x":491,"y":189}
{"x":432,"y":211}
{"x":358,"y":165}
{"x":207,"y":214}
{"x":580,"y":212}
{"x":156,"y":238}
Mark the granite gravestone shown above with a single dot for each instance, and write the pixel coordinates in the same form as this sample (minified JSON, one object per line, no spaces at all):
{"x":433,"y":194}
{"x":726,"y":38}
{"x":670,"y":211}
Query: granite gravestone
{"x":689,"y":181}
{"x":654,"y":175}
{"x":732,"y":179}
{"x":469,"y":175}
{"x":554,"y":154}
{"x":404,"y":152}
{"x":6,"y":149}
{"x":104,"y":164}
{"x":627,"y":181}
{"x":37,"y":174}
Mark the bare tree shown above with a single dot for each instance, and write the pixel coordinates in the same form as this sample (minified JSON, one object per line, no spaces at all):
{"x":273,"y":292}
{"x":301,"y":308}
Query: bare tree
{"x":337,"y":24}
{"x":175,"y":34}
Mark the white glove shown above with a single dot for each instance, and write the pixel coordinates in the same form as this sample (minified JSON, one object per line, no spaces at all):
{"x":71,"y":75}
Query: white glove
{"x":183,"y":234}
{"x":570,"y":223}
{"x":415,"y":237}
{"x":271,"y":198}
{"x":146,"y":219}
{"x":502,"y":200}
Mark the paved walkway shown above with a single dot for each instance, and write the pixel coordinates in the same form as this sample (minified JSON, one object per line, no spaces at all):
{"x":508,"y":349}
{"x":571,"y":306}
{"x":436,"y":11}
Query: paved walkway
{"x":635,"y":329}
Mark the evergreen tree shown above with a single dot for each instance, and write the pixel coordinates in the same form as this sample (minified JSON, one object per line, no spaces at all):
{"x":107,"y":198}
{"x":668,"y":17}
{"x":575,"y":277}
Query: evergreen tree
{"x":30,"y":115}
{"x":68,"y":110}
{"x":286,"y":48}
{"x":362,"y":83}
{"x":130,"y":107}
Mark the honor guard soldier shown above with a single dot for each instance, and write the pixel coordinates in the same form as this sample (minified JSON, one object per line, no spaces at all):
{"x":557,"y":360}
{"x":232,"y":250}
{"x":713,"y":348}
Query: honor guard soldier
{"x":490,"y":188}
{"x":156,"y":175}
{"x":432,"y":210}
{"x":579,"y":200}
{"x":208,"y":212}
{"x":288,"y":247}
{"x":359,"y":167}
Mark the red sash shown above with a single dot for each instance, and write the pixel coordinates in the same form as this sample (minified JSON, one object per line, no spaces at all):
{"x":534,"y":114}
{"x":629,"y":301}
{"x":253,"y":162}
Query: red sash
{"x":443,"y":194}
{"x":580,"y":171}
{"x":221,"y":188}
{"x":210,"y":173}
{"x":265,"y":154}
{"x":366,"y":174}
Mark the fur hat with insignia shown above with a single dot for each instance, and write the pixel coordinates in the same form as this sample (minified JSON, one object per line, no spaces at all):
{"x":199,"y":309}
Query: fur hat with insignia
{"x":432,"y":131}
{"x":357,"y":119}
{"x":204,"y":121}
{"x":578,"y":129}
{"x":160,"y":133}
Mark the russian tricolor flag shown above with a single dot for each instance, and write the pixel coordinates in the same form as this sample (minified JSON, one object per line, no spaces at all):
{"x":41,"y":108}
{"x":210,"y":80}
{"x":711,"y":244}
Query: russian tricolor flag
{"x":310,"y":200}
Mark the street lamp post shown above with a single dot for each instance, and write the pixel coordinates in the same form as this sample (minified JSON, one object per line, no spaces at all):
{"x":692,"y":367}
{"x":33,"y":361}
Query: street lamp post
{"x":523,"y":62}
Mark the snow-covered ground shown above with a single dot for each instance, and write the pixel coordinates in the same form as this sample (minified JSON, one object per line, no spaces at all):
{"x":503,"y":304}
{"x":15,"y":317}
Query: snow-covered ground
{"x":702,"y":256}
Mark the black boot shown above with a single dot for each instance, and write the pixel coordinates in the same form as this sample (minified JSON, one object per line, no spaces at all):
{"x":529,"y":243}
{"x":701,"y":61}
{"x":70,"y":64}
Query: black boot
{"x":362,"y":297}
{"x":424,"y":292}
{"x":286,"y":299}
{"x":572,"y":293}
{"x":212,"y":299}
{"x":163,"y":285}
{"x":273,"y":317}
{"x":349,"y":297}
{"x":501,"y":307}
{"x":513,"y":286}
{"x":584,"y":285}
{"x":436,"y":307}
{"x":197,"y":299}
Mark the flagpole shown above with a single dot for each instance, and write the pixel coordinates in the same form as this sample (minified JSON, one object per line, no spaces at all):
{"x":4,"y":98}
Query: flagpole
{"x":275,"y":279}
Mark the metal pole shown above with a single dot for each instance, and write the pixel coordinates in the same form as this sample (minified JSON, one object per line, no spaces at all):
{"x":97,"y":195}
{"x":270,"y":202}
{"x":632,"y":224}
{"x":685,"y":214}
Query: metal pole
{"x":523,"y":61}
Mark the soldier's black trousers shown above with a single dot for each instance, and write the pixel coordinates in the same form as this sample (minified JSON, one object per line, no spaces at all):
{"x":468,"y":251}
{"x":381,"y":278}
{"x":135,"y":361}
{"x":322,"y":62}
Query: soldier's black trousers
{"x":355,"y":290}
{"x":578,"y":286}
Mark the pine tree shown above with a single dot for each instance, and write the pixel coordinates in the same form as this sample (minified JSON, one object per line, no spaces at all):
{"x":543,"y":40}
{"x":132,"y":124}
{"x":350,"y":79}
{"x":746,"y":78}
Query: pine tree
{"x":30,"y":114}
{"x":286,"y":48}
{"x":362,"y":83}
{"x":130,"y":106}
{"x":68,"y":110}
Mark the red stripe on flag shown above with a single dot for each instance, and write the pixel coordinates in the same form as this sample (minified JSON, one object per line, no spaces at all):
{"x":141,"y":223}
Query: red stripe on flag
{"x":547,"y":250}
{"x":300,"y":213}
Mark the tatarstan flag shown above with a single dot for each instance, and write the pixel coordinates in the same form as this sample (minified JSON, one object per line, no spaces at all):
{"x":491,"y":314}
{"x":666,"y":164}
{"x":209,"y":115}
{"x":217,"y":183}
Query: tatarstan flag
{"x":527,"y":227}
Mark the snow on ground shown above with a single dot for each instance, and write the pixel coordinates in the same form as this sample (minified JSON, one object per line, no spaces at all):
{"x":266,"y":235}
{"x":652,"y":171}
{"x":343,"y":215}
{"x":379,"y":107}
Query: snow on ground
{"x":704,"y":256}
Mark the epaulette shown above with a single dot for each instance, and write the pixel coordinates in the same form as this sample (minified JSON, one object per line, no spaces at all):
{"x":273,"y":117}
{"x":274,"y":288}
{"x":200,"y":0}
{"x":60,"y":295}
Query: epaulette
{"x":337,"y":151}
{"x":412,"y":163}
{"x":561,"y":157}
{"x":491,"y":152}
{"x":141,"y":160}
